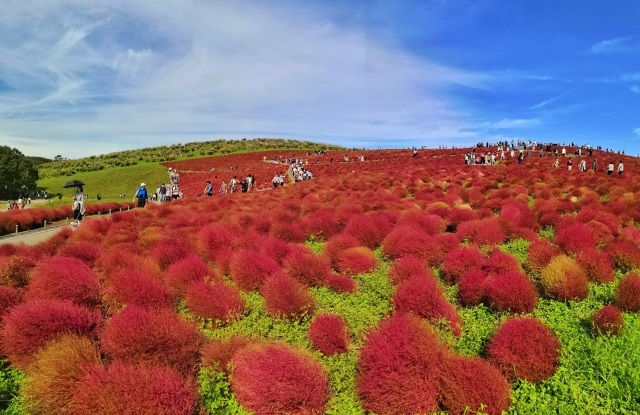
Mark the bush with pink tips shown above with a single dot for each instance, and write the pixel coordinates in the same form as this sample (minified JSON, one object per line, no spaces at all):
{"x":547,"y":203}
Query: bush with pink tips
{"x":306,"y":267}
{"x":512,"y":292}
{"x":524,"y":348}
{"x":459,"y":260}
{"x":274,"y":378}
{"x":627,"y":294}
{"x":328,"y":333}
{"x":137,"y":288}
{"x":250,"y":268}
{"x":608,"y":320}
{"x":406,"y":267}
{"x":217,"y":354}
{"x":285,"y":297}
{"x":218,"y":301}
{"x":358,"y":260}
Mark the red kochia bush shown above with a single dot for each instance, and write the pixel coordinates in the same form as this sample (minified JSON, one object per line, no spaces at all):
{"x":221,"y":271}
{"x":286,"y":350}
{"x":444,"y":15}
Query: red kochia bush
{"x":539,"y":255}
{"x":168,"y":251}
{"x":625,"y":255}
{"x":575,"y":238}
{"x":408,"y":240}
{"x":471,"y":287}
{"x":9,"y":297}
{"x":217,"y":354}
{"x":482,"y":232}
{"x":400,"y":366}
{"x":337,"y":244}
{"x":459,"y":260}
{"x":189,"y":269}
{"x":341,"y":283}
{"x":64,"y":278}
{"x":125,"y":389}
{"x":220,"y":301}
{"x":424,"y":297}
{"x":564,"y":279}
{"x":14,"y":270}
{"x":140,"y":336}
{"x":328,"y":333}
{"x":597,"y":265}
{"x":470,"y":384}
{"x":306,"y":267}
{"x":135,"y":287}
{"x":286,"y":297}
{"x":407,"y":267}
{"x":608,"y":320}
{"x":274,"y":378}
{"x":511,"y":291}
{"x":249,"y":268}
{"x":524,"y":348}
{"x":87,"y":252}
{"x":368,"y":229}
{"x":627,"y":295}
{"x":358,"y":260}
{"x":29,"y":326}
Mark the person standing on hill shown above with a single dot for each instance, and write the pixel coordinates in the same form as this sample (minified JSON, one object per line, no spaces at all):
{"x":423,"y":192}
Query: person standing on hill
{"x":594,"y":165}
{"x":141,"y":195}
{"x":208,"y":188}
{"x":620,"y":168}
{"x":610,"y":168}
{"x":163,"y":193}
{"x":78,"y":204}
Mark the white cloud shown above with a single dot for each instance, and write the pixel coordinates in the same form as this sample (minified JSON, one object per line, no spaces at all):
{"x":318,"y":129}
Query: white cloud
{"x":138,"y":73}
{"x":617,"y":45}
{"x":637,"y":131}
{"x":508,"y":123}
{"x":635,"y":88}
{"x":630,"y":77}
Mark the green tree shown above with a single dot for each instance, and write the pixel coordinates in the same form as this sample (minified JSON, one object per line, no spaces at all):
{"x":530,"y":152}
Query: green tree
{"x":17,"y":174}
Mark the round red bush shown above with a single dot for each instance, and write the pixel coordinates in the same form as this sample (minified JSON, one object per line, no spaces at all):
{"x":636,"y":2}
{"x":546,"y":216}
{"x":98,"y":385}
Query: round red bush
{"x":249,"y":268}
{"x":220,"y":302}
{"x":470,"y":384}
{"x":306,"y":267}
{"x":185,"y":271}
{"x":539,"y":255}
{"x":627,"y":295}
{"x":64,"y":278}
{"x":340,"y":283}
{"x":133,"y":286}
{"x":274,"y":378}
{"x":400,"y":366}
{"x":482,"y":231}
{"x":575,"y":238}
{"x":168,"y":251}
{"x":156,"y":337}
{"x":368,"y":229}
{"x":127,"y":389}
{"x":358,"y":260}
{"x":328,"y":333}
{"x":86,"y":251}
{"x":597,"y":265}
{"x":9,"y":297}
{"x":30,"y":326}
{"x":409,"y":240}
{"x":564,"y":279}
{"x":286,"y":297}
{"x":15,"y":270}
{"x":524,"y":348}
{"x":625,"y":255}
{"x":217,"y":354}
{"x":608,"y":320}
{"x":471,"y":287}
{"x":424,"y":297}
{"x":499,"y":262}
{"x":459,"y":260}
{"x":407,"y":267}
{"x":512,"y":292}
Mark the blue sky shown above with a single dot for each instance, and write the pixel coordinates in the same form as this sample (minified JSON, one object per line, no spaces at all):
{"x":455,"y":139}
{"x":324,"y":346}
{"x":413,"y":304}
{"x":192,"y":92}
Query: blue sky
{"x":86,"y":77}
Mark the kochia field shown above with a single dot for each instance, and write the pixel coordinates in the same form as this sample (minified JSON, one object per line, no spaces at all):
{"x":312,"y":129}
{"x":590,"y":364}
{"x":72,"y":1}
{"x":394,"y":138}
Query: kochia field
{"x":393,"y":285}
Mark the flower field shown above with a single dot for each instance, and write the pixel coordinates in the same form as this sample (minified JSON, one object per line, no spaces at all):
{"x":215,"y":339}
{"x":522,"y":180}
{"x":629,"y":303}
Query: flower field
{"x":393,"y":285}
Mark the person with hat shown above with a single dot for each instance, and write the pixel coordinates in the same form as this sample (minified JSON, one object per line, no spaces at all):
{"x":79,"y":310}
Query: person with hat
{"x":141,"y":195}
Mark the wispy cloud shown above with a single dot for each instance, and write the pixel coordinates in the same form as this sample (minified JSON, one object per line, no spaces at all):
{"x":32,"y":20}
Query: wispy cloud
{"x":637,"y":131}
{"x":635,"y":88}
{"x":508,"y":123}
{"x":617,"y":45}
{"x":545,"y":103}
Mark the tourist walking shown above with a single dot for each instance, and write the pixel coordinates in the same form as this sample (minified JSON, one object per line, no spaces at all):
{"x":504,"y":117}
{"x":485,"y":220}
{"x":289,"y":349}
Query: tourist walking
{"x":141,"y":195}
{"x":78,"y":205}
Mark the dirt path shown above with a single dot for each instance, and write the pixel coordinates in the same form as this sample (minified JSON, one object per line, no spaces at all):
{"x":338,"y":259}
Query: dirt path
{"x":31,"y":237}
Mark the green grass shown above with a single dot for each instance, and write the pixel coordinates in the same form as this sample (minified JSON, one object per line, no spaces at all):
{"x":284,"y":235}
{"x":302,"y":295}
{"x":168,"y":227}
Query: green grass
{"x":110,"y":183}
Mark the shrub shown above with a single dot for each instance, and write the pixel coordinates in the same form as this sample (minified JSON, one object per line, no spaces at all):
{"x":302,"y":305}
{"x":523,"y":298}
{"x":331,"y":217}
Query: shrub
{"x":217,"y":354}
{"x":30,"y":326}
{"x":125,"y":389}
{"x":306,"y":267}
{"x":512,"y":292}
{"x":471,"y":287}
{"x":539,"y":255}
{"x":55,"y":373}
{"x":459,"y":260}
{"x":286,"y":297}
{"x":168,"y":251}
{"x":86,"y":251}
{"x":400,"y":366}
{"x":135,"y":287}
{"x":470,"y":385}
{"x":597,"y":265}
{"x":15,"y":270}
{"x":9,"y":297}
{"x":340,"y":283}
{"x":337,"y":244}
{"x":249,"y":268}
{"x":424,"y":297}
{"x":499,"y":262}
{"x":407,"y":267}
{"x":625,"y":255}
{"x":328,"y":333}
{"x":185,"y":271}
{"x":273,"y":378}
{"x":358,"y":260}
{"x":408,"y":240}
{"x":627,"y":294}
{"x":524,"y":348}
{"x":608,"y":320}
{"x":220,"y":302}
{"x":564,"y":279}
{"x":575,"y":238}
{"x":64,"y":278}
{"x":155,"y":337}
{"x":288,"y":231}
{"x":482,"y":231}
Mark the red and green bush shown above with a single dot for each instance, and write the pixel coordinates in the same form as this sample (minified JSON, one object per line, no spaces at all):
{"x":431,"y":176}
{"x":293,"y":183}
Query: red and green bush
{"x":122,"y":388}
{"x":218,"y":301}
{"x":217,"y":354}
{"x":524,"y":348}
{"x":608,"y":320}
{"x":155,"y":337}
{"x":328,"y":333}
{"x":31,"y":325}
{"x":512,"y":292}
{"x":564,"y":279}
{"x":627,"y":294}
{"x":134,"y":286}
{"x":358,"y":260}
{"x":274,"y":378}
{"x":406,"y":267}
{"x":306,"y":267}
{"x":287,"y":298}
{"x":459,"y":260}
{"x":249,"y":268}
